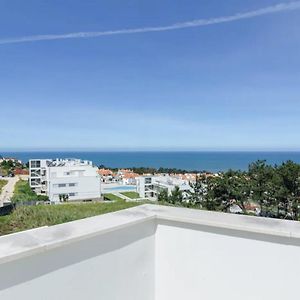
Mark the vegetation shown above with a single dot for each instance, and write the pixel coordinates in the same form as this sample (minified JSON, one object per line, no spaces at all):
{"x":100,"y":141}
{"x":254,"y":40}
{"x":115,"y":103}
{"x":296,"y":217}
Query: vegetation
{"x":176,"y":196}
{"x":112,"y":197}
{"x":145,"y":170}
{"x":131,"y":195}
{"x":274,"y":190}
{"x":163,"y":196}
{"x":63,"y":197}
{"x":23,"y":193}
{"x":2,"y":184}
{"x":8,"y":167}
{"x":28,"y":217}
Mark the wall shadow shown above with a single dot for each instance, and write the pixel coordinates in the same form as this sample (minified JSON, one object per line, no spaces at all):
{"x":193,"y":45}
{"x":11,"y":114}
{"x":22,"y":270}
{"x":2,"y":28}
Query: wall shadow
{"x":36,"y":265}
{"x":234,"y":233}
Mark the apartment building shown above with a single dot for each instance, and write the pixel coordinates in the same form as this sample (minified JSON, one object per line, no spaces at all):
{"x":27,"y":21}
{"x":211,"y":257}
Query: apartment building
{"x":64,"y":179}
{"x":151,"y":186}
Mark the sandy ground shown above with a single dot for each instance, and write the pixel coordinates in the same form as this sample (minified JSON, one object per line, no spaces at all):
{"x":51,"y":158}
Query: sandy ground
{"x":8,"y":189}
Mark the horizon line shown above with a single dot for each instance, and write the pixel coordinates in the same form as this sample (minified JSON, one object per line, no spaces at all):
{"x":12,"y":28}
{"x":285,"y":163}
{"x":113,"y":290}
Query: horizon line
{"x":146,"y":150}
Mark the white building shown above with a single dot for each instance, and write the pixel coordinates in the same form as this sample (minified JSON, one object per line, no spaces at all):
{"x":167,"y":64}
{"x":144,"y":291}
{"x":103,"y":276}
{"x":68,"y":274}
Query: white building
{"x":127,"y":177}
{"x":151,"y":186}
{"x":70,"y":179}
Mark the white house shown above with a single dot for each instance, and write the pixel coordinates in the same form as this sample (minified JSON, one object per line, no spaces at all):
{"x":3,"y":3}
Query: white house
{"x":127,"y":177}
{"x":107,"y":175}
{"x":151,"y":186}
{"x":71,"y":179}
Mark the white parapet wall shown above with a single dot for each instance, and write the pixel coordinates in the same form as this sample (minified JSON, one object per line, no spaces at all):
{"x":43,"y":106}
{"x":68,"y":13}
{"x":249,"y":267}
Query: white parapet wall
{"x":154,"y":253}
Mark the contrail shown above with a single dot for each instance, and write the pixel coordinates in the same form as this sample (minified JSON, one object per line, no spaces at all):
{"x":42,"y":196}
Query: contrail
{"x":195,"y":23}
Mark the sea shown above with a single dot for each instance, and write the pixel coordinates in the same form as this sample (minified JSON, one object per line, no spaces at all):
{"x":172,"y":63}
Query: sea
{"x":187,"y":160}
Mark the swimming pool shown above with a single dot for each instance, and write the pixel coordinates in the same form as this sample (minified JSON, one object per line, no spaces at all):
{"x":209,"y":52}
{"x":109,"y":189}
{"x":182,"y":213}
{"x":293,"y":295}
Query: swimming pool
{"x":120,"y":188}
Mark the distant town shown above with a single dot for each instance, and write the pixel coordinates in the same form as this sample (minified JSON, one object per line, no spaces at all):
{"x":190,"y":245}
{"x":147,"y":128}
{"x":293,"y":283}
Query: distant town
{"x":263,"y":190}
{"x":61,"y":180}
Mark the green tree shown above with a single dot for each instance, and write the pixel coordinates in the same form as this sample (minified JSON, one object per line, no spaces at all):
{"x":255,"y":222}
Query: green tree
{"x":176,"y":196}
{"x":288,"y":193}
{"x":198,"y":191}
{"x":163,"y":196}
{"x":262,"y":184}
{"x":231,"y":187}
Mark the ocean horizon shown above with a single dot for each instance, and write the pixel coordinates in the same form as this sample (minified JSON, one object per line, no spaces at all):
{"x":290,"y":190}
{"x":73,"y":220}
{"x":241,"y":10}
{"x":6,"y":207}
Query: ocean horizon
{"x":213,"y":161}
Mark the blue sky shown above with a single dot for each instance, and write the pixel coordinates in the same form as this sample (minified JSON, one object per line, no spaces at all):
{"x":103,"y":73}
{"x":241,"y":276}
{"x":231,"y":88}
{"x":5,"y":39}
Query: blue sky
{"x":228,"y":86}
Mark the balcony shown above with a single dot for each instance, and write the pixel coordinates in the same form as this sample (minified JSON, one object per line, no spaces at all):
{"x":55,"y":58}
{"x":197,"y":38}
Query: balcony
{"x":154,"y":253}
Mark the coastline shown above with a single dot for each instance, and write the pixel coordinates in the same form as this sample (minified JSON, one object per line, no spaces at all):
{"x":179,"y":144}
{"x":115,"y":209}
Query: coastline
{"x":213,"y":161}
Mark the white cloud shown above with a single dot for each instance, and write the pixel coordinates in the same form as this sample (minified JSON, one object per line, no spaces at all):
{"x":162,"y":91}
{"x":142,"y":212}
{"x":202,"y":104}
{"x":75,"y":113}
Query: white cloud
{"x":195,"y":23}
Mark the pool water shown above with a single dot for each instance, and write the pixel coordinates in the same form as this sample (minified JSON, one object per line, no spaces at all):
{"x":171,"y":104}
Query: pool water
{"x":121,"y":188}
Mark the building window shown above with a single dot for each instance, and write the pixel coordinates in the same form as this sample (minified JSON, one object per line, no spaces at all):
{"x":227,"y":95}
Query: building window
{"x":35,"y":181}
{"x":72,"y":184}
{"x":61,"y":185}
{"x":67,"y":173}
{"x":35,"y":173}
{"x":35,"y":164}
{"x":72,"y":194}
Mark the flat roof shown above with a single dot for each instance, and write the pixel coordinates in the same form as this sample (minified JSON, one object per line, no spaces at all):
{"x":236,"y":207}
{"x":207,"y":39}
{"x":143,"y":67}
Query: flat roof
{"x":61,"y":162}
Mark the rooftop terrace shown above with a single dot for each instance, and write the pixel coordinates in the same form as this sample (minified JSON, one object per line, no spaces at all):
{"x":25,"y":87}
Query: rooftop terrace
{"x":68,"y":162}
{"x":154,"y":253}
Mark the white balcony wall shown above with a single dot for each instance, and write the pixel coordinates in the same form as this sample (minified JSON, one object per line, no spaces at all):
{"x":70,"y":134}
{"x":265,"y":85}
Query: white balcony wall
{"x":154,"y":253}
{"x":197,"y":262}
{"x":113,"y":266}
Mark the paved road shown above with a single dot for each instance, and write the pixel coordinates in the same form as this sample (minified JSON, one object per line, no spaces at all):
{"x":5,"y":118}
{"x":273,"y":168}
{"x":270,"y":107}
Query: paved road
{"x":127,"y":199}
{"x":121,"y":196}
{"x":8,"y":189}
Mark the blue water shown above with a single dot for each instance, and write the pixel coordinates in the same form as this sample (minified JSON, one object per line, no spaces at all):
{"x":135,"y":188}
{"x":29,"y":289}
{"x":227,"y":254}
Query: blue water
{"x":121,"y":188}
{"x":210,"y":161}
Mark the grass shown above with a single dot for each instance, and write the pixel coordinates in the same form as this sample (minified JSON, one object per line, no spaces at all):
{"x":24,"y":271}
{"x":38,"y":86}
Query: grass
{"x":23,"y":192}
{"x":2,"y":184}
{"x":131,"y":195}
{"x":28,"y":217}
{"x":112,"y":197}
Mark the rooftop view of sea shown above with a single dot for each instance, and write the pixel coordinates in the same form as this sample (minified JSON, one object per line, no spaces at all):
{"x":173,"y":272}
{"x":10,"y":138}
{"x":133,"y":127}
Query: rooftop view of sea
{"x":188,"y":160}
